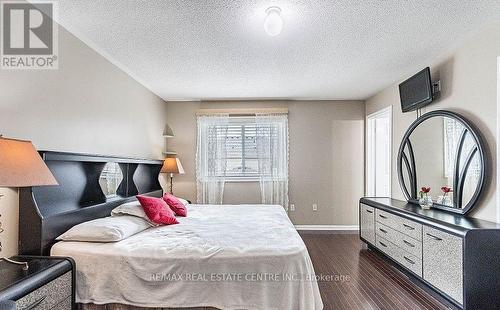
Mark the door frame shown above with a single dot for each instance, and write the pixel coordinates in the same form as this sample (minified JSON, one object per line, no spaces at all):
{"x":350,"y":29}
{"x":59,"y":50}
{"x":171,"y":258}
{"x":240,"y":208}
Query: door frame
{"x":498,"y":141}
{"x":383,"y":111}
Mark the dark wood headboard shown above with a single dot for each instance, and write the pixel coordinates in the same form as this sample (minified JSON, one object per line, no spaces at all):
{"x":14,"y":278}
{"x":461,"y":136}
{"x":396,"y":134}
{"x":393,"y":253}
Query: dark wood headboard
{"x":48,"y":211}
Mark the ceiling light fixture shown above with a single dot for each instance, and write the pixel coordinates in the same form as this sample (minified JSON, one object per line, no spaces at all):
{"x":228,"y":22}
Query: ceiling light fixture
{"x":273,"y":23}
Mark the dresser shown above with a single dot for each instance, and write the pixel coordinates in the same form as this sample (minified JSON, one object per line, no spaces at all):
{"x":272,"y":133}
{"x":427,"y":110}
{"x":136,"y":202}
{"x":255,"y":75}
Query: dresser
{"x":455,"y":255}
{"x":47,"y":284}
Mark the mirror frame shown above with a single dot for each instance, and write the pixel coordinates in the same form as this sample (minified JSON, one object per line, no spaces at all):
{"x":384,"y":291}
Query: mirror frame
{"x":411,"y":167}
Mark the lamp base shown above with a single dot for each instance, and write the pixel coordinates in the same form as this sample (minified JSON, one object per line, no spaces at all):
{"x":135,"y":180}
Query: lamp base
{"x":24,"y":265}
{"x":171,"y":184}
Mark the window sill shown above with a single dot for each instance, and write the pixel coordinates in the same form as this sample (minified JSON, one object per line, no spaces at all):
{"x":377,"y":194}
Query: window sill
{"x":242,"y":180}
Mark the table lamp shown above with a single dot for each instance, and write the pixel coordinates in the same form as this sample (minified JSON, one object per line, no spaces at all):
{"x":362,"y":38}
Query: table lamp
{"x":21,"y":166}
{"x":173,"y":166}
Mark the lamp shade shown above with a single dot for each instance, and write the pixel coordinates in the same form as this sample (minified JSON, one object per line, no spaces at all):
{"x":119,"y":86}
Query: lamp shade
{"x":22,"y":166}
{"x":172,"y":165}
{"x":168,"y":132}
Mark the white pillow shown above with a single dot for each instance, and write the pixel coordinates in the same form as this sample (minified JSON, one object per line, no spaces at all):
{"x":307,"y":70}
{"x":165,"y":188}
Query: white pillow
{"x":107,"y":229}
{"x":132,"y":208}
{"x":184,"y":201}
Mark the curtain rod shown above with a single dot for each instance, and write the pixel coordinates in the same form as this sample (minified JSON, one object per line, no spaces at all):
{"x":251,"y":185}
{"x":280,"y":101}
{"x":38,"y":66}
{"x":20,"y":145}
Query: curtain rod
{"x":242,"y":112}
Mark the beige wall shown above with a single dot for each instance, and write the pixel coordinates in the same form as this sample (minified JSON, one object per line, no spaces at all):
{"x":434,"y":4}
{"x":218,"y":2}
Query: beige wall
{"x":469,"y":86}
{"x":326,"y":157}
{"x":88,"y":106}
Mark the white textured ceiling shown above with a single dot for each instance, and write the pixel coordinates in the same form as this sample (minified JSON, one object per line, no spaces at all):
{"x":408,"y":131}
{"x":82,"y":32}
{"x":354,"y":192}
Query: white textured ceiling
{"x":217,"y":49}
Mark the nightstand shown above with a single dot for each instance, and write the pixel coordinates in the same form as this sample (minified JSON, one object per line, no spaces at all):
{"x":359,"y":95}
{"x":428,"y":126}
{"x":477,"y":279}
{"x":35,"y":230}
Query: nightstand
{"x":48,"y":284}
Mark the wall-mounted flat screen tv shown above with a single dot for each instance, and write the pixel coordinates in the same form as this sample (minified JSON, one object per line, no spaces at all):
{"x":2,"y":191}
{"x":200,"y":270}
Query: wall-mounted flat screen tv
{"x":416,"y":92}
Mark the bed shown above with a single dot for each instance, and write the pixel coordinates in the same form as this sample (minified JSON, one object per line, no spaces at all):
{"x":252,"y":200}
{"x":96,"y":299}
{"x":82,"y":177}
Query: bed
{"x":227,"y":257}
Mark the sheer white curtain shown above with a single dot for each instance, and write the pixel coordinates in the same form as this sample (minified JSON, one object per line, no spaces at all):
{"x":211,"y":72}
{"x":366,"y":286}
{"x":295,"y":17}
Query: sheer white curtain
{"x":272,"y":153}
{"x":211,"y":158}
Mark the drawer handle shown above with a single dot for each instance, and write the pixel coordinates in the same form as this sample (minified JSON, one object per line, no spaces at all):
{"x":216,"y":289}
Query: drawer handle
{"x":369,"y":211}
{"x":382,"y":244}
{"x":382,"y":216}
{"x":35,"y":304}
{"x":409,"y":260}
{"x":408,"y":226}
{"x":434,"y":237}
{"x":409,"y":244}
{"x":383,"y":230}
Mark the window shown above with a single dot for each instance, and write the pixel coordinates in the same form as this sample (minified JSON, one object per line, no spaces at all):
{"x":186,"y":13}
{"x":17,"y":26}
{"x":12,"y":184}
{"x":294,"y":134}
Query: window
{"x":452,"y":132}
{"x":242,"y":148}
{"x":241,"y":144}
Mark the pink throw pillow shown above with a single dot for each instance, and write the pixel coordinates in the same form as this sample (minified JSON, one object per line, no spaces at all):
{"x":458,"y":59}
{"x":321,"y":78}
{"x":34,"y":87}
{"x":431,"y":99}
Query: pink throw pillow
{"x":157,"y":210}
{"x":175,"y":204}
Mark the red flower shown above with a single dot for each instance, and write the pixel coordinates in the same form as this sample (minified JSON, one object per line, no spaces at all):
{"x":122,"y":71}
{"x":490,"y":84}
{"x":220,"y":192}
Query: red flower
{"x":446,"y":189}
{"x":425,"y":190}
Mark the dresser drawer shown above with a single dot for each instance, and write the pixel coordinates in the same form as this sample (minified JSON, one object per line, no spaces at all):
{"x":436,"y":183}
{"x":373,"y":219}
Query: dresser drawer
{"x":63,"y":305}
{"x":392,"y":243}
{"x":367,"y":224}
{"x":407,"y":227}
{"x":412,"y":262}
{"x":386,"y":246}
{"x":442,"y":262}
{"x":406,"y":243}
{"x":49,"y":295}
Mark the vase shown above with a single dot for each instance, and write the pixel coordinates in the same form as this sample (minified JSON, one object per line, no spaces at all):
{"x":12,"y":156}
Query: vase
{"x":425,"y":202}
{"x":445,"y":200}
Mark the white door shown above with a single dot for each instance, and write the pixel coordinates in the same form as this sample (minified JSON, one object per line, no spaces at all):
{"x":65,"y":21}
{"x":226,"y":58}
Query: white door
{"x":378,"y":153}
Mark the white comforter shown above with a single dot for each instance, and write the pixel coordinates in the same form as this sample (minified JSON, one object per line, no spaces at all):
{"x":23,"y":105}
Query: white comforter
{"x":229,"y":257}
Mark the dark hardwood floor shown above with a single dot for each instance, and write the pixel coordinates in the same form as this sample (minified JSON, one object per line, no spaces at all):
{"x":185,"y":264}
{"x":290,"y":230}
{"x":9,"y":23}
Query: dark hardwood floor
{"x":364,"y":279}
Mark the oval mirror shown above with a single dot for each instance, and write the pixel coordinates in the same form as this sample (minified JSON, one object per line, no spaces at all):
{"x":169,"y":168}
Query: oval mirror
{"x":110,"y":178}
{"x":444,"y":154}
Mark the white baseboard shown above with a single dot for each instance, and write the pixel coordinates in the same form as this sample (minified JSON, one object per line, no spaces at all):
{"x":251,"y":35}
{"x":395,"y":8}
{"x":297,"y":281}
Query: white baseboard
{"x":327,"y":227}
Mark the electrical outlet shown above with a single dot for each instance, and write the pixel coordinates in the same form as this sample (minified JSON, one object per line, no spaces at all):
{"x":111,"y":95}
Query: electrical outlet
{"x":315,"y":207}
{"x":292,"y":207}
